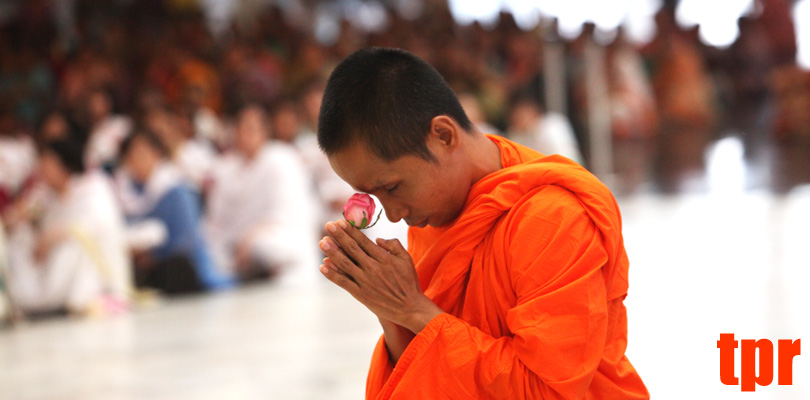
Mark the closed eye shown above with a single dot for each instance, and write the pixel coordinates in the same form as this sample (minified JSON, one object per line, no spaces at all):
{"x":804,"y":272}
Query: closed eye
{"x":392,"y":188}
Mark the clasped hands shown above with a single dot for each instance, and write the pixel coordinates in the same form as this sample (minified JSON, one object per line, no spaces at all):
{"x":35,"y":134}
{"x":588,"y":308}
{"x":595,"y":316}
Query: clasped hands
{"x":380,"y":275}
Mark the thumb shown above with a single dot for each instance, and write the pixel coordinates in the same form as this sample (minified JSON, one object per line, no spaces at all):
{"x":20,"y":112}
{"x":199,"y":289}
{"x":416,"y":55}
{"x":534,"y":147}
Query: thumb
{"x":392,"y":246}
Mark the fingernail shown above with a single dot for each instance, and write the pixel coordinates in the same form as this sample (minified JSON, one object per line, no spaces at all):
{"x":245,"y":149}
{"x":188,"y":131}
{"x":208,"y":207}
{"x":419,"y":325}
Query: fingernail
{"x":324,"y":244}
{"x":330,"y":226}
{"x":323,"y":269}
{"x":342,"y":224}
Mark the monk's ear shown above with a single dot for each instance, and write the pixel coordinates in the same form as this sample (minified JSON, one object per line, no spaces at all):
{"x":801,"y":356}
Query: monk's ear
{"x":445,"y":132}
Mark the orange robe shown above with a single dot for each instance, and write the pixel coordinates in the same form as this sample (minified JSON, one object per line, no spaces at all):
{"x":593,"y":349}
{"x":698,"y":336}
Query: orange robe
{"x":531,"y":277}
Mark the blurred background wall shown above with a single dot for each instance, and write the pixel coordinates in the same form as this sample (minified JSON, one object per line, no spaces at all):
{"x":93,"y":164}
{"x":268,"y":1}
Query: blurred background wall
{"x":622,"y":72}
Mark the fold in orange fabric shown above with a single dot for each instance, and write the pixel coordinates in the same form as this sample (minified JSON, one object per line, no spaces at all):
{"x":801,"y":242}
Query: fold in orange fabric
{"x":532,"y":276}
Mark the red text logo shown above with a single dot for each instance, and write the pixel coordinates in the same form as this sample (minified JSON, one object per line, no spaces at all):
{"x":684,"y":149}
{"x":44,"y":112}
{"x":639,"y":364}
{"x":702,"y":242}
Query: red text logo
{"x":750,"y":377}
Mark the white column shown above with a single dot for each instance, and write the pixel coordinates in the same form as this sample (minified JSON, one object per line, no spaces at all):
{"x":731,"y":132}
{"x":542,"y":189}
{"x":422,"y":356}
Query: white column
{"x":599,"y":132}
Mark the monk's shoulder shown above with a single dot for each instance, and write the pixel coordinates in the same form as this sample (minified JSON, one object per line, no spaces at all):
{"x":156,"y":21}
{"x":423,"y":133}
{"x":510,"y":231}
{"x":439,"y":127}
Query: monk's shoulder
{"x":551,"y":205}
{"x":541,"y":218}
{"x":544,"y":233}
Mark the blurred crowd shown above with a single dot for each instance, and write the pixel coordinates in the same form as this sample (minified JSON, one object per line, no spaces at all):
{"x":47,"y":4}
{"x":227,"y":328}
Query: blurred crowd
{"x":140,"y":148}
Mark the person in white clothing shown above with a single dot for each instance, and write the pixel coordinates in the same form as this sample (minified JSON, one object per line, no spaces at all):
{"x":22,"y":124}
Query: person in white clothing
{"x":299,"y":131}
{"x":17,"y":159}
{"x":475,"y":112}
{"x":107,"y":132}
{"x":261,"y":211}
{"x":194,"y":156}
{"x":74,"y":256}
{"x":5,"y":304}
{"x":548,"y":133}
{"x":164,"y":217}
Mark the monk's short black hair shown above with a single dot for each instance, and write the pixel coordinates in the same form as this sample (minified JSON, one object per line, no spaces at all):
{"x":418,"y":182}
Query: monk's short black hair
{"x":70,"y":153}
{"x":386,"y":98}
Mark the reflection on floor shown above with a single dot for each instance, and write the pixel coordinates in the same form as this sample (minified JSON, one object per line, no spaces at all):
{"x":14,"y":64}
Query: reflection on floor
{"x":722,"y":256}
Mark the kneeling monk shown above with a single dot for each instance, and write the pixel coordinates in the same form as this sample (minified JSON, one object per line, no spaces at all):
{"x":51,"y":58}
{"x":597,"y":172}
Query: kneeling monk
{"x":513,"y":280}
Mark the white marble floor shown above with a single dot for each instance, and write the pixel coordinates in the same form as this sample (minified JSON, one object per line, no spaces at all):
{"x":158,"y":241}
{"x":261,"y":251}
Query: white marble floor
{"x":704,"y":265}
{"x":701,"y":265}
{"x":260,"y":342}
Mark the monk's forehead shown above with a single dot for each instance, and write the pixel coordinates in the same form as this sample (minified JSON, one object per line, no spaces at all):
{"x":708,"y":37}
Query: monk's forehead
{"x":361,"y":168}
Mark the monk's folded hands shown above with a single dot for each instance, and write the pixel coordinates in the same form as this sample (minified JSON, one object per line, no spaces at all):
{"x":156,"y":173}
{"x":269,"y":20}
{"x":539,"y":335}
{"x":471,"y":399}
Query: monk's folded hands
{"x":380,"y":275}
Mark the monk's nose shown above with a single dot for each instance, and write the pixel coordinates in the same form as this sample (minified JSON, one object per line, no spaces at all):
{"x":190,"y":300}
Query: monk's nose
{"x":395,"y":212}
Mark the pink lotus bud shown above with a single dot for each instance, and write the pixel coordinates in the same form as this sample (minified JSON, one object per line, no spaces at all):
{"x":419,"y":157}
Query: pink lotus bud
{"x":359,"y":210}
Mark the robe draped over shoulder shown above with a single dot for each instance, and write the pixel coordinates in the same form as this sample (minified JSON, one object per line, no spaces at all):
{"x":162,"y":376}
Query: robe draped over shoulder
{"x":531,"y":276}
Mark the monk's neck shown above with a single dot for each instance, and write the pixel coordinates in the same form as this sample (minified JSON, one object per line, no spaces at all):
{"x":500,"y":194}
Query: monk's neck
{"x":485,"y":157}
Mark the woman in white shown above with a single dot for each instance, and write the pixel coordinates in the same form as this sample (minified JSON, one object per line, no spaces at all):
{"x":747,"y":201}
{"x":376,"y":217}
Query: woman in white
{"x":109,"y":130}
{"x":5,"y":305}
{"x":74,"y":256}
{"x":548,"y":133}
{"x":261,"y":209}
{"x":288,"y":127}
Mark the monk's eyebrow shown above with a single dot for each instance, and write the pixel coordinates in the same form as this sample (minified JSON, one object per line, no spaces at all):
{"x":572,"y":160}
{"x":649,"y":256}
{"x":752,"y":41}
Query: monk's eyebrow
{"x":361,"y":189}
{"x":372,"y":190}
{"x":376,"y":188}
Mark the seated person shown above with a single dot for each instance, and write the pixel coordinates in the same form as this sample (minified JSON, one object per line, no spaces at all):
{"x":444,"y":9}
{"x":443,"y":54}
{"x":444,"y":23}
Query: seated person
{"x":261,"y":209}
{"x":332,"y":192}
{"x":163,"y":214}
{"x":73,"y":257}
{"x":108,"y":130}
{"x":17,"y":159}
{"x":548,"y":133}
{"x":5,"y":306}
{"x":194,"y":156}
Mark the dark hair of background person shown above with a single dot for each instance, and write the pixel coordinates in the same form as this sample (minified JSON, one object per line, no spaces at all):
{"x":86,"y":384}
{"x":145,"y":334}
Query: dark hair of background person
{"x":387,"y":98}
{"x":70,"y":153}
{"x":74,"y":129}
{"x":150,"y":137}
